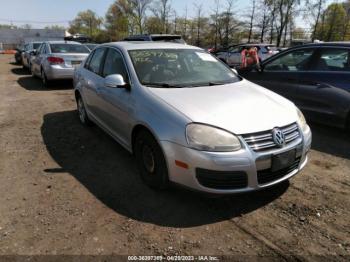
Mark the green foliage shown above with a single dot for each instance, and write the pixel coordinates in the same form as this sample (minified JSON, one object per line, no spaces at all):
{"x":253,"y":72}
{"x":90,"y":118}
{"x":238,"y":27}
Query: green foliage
{"x":55,"y":27}
{"x":334,"y":23}
{"x":87,"y":23}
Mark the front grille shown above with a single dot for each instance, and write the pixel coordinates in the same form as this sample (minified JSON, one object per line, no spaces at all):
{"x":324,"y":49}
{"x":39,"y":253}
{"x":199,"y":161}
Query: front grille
{"x":267,"y":176}
{"x":222,"y":179}
{"x":263,"y":141}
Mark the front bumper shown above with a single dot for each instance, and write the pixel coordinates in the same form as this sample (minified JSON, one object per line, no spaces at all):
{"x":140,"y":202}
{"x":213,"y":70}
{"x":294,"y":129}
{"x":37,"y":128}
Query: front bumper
{"x":245,"y":161}
{"x":57,"y":72}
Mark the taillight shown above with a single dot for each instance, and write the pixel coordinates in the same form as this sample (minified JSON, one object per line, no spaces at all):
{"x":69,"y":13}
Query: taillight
{"x":55,"y":60}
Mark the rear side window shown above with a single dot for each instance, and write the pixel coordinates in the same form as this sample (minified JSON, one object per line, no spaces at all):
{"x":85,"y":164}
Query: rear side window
{"x":41,"y":47}
{"x":114,"y":64}
{"x":297,"y":60}
{"x":69,"y":48}
{"x":96,"y":61}
{"x":36,"y":45}
{"x":332,"y":59}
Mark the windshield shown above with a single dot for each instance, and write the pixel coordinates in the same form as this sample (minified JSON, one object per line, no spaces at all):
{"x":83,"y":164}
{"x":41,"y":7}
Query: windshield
{"x":90,"y":46}
{"x":180,"y":68}
{"x":69,"y":48}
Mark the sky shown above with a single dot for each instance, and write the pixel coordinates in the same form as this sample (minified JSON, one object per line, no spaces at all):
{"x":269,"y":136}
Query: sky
{"x":49,"y":12}
{"x":41,"y":13}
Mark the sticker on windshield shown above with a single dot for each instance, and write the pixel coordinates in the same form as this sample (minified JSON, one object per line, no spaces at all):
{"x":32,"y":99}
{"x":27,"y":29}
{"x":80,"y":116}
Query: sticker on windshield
{"x":206,"y":57}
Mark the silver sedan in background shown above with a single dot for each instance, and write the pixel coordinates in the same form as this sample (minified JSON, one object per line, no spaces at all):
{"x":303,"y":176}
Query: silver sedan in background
{"x":56,"y":60}
{"x":233,"y":55}
{"x":29,"y":50}
{"x":189,"y":119}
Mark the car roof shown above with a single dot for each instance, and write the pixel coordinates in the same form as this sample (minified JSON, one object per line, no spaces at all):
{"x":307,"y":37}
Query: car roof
{"x":153,"y":35}
{"x":63,"y":42}
{"x":258,"y":44}
{"x":137,"y":45}
{"x":343,"y":44}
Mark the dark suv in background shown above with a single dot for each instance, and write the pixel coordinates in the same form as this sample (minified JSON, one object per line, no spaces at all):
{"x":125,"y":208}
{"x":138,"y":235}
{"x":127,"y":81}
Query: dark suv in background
{"x":156,"y":37}
{"x":316,"y":77}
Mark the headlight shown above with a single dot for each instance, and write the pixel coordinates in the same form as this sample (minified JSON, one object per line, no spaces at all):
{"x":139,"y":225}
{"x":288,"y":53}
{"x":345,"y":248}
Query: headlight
{"x":207,"y":138}
{"x":302,"y":122}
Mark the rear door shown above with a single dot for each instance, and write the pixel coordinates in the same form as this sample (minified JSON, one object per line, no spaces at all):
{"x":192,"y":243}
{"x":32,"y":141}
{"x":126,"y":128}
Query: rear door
{"x":324,"y":90}
{"x":282,"y":74}
{"x":93,"y":81}
{"x":37,"y":59}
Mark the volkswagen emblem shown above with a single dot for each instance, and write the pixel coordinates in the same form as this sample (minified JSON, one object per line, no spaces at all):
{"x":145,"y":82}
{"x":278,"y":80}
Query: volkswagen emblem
{"x":278,"y":137}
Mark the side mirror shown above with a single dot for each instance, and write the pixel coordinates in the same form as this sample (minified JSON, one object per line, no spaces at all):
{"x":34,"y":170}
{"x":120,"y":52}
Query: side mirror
{"x":116,"y":81}
{"x":234,"y":71}
{"x":33,"y":53}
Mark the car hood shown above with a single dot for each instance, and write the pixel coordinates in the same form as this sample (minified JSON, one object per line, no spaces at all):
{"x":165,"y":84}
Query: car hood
{"x":240,"y":108}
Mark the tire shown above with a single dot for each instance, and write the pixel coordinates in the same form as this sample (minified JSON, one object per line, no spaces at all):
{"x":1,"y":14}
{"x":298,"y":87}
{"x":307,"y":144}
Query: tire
{"x":83,"y":117}
{"x":31,"y":71}
{"x":347,"y":125}
{"x":150,"y":161}
{"x":45,"y":81}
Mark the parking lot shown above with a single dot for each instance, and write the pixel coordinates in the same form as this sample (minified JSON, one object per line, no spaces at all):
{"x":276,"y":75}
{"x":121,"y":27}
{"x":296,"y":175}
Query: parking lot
{"x":72,"y":190}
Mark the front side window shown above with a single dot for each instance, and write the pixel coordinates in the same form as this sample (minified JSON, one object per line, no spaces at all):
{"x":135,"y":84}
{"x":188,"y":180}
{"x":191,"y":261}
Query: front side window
{"x":69,"y":48}
{"x":332,"y":59}
{"x":114,"y":64}
{"x":180,"y":68}
{"x":297,"y":60}
{"x":96,"y":61}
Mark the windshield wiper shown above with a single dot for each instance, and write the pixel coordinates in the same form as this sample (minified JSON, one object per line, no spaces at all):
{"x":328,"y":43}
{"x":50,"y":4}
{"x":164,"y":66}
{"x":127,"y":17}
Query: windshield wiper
{"x":162,"y":85}
{"x":217,"y":83}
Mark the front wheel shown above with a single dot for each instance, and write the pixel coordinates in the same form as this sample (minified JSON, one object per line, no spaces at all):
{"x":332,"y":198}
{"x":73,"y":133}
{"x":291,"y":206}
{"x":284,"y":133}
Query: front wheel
{"x":150,"y":161}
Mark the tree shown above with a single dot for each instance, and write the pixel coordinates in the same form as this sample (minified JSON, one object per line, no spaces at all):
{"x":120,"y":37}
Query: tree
{"x":251,"y":20}
{"x":162,"y":9}
{"x":118,"y":21}
{"x":215,"y":18}
{"x":138,"y":11}
{"x":334,"y":22}
{"x":27,"y":26}
{"x":154,"y":25}
{"x":285,"y":9}
{"x":55,"y":27}
{"x":263,"y":19}
{"x":199,"y":13}
{"x":315,"y":9}
{"x":86,"y":22}
{"x":8,"y":26}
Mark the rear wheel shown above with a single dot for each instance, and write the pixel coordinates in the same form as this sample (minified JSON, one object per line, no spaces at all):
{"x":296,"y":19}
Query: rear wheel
{"x":150,"y":160}
{"x":46,"y":82}
{"x":31,"y":70}
{"x":83,"y":117}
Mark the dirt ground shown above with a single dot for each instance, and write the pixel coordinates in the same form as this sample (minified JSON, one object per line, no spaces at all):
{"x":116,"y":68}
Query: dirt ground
{"x":67,"y":189}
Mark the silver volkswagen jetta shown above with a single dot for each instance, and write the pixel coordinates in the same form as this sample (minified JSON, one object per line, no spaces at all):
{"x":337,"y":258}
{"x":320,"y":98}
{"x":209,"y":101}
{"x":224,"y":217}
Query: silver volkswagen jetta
{"x":189,"y":119}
